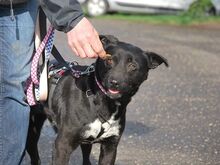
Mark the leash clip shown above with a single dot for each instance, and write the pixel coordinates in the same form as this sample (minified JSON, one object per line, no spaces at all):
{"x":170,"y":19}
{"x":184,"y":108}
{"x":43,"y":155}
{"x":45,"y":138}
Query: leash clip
{"x":12,"y":11}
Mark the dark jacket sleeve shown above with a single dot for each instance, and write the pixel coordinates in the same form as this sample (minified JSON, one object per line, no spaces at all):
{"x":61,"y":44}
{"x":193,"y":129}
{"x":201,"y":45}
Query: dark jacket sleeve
{"x":63,"y":14}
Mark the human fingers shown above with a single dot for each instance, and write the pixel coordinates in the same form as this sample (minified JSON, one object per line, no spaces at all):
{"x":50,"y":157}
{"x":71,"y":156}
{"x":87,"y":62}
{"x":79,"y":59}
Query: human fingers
{"x":75,"y":45}
{"x":97,"y":45}
{"x":89,"y":51}
{"x":85,"y":40}
{"x":80,"y":50}
{"x":84,"y":48}
{"x":75,"y":51}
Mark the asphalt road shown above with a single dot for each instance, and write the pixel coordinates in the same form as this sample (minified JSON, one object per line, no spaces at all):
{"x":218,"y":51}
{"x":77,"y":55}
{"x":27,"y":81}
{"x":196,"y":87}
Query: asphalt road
{"x":174,"y":119}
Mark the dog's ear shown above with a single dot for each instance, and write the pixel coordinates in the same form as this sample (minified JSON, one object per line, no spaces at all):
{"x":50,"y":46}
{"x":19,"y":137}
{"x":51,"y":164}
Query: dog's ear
{"x":108,"y":40}
{"x":154,"y":60}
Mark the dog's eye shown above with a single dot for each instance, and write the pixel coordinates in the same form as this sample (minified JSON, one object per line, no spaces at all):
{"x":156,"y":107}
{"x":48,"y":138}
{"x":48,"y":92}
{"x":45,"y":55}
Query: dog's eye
{"x":132,"y":67}
{"x":109,"y":61}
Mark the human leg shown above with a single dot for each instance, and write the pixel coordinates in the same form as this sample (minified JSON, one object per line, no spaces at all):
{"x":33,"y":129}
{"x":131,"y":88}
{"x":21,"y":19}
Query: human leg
{"x":16,"y":49}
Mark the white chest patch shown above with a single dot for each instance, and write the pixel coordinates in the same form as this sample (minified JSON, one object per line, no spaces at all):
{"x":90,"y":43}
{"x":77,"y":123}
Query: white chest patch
{"x":111,"y":128}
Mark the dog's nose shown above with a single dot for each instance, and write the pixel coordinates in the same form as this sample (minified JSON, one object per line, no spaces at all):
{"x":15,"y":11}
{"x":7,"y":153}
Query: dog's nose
{"x":114,"y":83}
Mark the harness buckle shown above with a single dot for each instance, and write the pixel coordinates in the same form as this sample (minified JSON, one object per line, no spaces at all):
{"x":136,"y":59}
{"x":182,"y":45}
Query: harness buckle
{"x":88,"y":70}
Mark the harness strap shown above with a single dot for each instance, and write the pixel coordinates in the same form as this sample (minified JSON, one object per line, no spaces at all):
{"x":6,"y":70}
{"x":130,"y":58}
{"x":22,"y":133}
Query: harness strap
{"x":59,"y":58}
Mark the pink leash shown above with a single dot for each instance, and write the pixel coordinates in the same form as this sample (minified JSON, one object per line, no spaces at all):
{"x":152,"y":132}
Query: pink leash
{"x":33,"y":80}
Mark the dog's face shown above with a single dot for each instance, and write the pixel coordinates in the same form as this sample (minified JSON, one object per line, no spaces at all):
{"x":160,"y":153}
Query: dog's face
{"x":127,"y":68}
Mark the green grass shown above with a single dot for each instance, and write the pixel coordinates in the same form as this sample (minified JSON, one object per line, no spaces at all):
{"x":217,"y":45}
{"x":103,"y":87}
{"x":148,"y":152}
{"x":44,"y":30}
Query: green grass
{"x":162,"y":19}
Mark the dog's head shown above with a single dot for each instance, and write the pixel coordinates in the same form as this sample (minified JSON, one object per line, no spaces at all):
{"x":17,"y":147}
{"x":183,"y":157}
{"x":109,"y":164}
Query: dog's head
{"x":128,"y":67}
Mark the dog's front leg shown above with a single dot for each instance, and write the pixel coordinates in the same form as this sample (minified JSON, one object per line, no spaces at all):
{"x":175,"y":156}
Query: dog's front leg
{"x":64,"y":146}
{"x":86,"y":150}
{"x":108,"y":152}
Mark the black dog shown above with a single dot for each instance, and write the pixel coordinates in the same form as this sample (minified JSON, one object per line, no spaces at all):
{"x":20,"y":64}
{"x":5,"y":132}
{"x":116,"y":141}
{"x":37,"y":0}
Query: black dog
{"x":91,"y":109}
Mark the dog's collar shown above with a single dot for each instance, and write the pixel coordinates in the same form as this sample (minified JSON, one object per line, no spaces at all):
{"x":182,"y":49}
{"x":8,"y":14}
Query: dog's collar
{"x":100,"y":86}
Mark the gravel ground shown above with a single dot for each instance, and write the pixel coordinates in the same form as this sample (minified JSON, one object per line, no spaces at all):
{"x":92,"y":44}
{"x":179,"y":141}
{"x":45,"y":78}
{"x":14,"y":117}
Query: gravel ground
{"x":174,"y":119}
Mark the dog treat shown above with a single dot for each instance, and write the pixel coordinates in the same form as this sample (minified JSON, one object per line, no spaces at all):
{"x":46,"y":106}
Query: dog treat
{"x":107,"y":57}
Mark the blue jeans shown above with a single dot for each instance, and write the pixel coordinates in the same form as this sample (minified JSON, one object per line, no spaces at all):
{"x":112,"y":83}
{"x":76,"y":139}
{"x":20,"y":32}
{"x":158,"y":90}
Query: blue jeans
{"x":16,"y":49}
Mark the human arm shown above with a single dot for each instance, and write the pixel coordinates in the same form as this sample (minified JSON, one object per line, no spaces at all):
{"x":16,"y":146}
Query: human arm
{"x":62,"y":14}
{"x":67,"y":16}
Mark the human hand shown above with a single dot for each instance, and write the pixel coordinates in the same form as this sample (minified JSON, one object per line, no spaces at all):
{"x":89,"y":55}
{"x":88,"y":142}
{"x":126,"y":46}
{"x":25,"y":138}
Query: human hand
{"x":84,"y":40}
